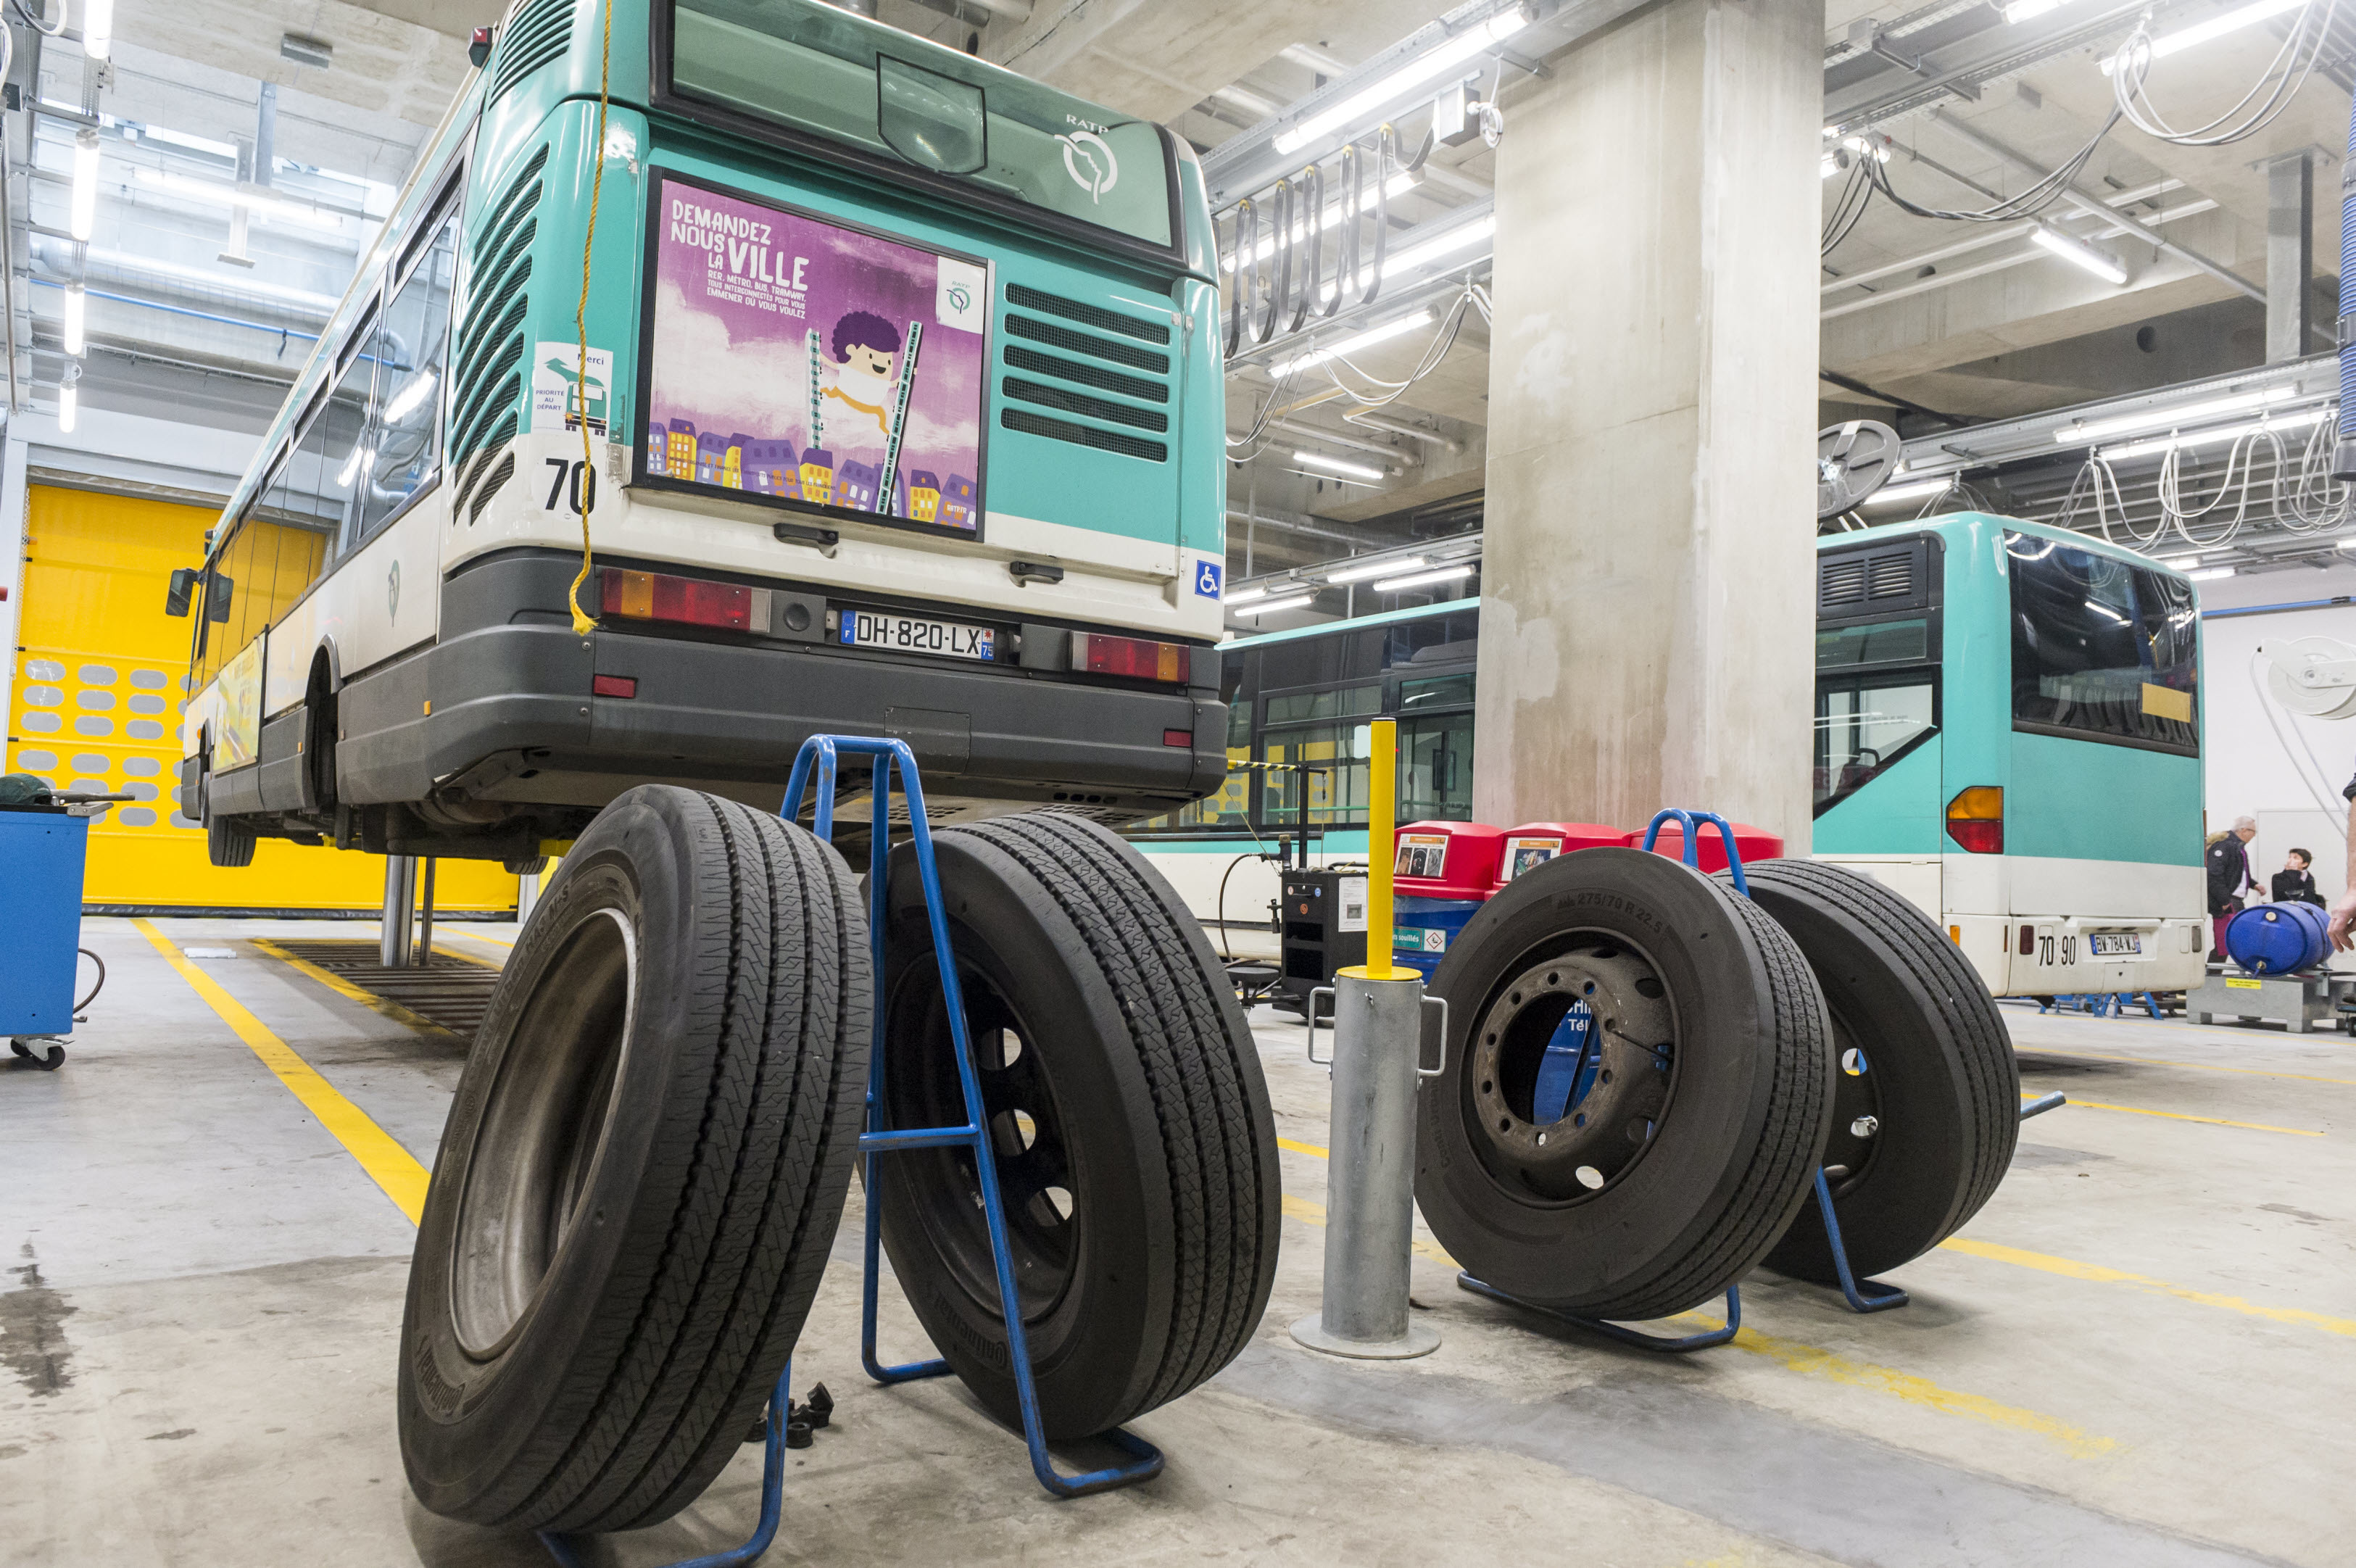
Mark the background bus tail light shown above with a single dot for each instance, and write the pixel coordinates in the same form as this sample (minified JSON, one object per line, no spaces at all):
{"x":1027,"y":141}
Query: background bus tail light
{"x":1131,"y":656}
{"x":684,"y":601}
{"x":1976,"y":819}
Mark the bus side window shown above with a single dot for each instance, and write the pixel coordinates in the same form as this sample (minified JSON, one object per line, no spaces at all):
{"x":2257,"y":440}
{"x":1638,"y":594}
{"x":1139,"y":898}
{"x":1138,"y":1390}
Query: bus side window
{"x":245,"y":562}
{"x":411,"y":354}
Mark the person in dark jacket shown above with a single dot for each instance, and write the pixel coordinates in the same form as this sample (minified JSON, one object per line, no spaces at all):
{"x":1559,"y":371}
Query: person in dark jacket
{"x":2229,"y":872}
{"x":2295,"y":884}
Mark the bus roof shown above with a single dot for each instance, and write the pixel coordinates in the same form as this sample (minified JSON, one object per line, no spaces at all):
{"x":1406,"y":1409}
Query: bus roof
{"x":1958,"y":524}
{"x":1334,"y":627}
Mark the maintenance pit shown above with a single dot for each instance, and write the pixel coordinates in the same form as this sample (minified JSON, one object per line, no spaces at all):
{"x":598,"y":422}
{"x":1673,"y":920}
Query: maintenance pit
{"x":2136,"y":1353}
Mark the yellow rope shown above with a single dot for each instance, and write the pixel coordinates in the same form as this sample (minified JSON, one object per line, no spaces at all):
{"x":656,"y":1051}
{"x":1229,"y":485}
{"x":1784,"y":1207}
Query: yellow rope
{"x":582,"y":624}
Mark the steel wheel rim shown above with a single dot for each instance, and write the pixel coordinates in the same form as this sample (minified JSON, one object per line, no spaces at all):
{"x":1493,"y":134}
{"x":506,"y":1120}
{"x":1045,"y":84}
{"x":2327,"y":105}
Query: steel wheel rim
{"x":1038,"y":1193}
{"x":1613,"y":1115}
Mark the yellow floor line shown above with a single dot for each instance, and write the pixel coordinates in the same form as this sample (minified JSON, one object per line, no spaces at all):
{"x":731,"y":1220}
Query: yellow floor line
{"x":342,"y":987}
{"x":390,"y":1166}
{"x":2197,"y":1066}
{"x":2070,"y":1268}
{"x":1812,"y":1362}
{"x":1298,"y":1148}
{"x":2180,"y":1116}
{"x":478,"y":935}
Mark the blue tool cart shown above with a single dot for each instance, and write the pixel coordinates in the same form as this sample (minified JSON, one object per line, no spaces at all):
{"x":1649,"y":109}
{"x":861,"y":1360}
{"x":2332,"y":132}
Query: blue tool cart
{"x":40,"y":905}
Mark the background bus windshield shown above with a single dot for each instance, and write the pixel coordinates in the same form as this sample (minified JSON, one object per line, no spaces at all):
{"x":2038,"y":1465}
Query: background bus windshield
{"x":810,"y":68}
{"x":2101,"y":650}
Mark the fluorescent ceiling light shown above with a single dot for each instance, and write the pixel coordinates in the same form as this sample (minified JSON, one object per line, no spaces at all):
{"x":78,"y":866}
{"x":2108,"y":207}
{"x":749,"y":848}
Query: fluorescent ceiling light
{"x":2179,"y":562}
{"x":84,"y":210}
{"x":1360,"y":574}
{"x":2154,"y":443}
{"x":2077,"y":434}
{"x":2211,"y":575}
{"x":2103,"y":609}
{"x":2022,"y":10}
{"x":1429,"y":66}
{"x":1919,"y":490}
{"x":193,"y":144}
{"x":361,"y":460}
{"x":68,"y":411}
{"x":1423,"y":579}
{"x":1396,"y":185}
{"x":1828,"y":168}
{"x":2070,"y":248}
{"x":97,"y":27}
{"x":1245,"y":596}
{"x":1458,"y":239}
{"x":1353,"y":343}
{"x":1336,"y":466}
{"x":75,"y":303}
{"x":2348,"y":544}
{"x":214,"y":194}
{"x":2201,"y":32}
{"x":1299,"y":602}
{"x":408,"y":398}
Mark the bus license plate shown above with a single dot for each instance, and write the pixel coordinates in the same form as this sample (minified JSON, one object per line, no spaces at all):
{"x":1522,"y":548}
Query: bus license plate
{"x":2117,"y":946}
{"x":912,"y":634}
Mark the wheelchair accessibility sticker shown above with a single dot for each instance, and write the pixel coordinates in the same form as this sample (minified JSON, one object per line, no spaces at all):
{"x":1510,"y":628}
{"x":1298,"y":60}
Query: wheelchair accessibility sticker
{"x":1206,"y":579}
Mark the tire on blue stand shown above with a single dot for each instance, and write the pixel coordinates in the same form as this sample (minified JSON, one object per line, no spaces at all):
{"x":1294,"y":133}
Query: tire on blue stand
{"x":1689,"y":1139}
{"x":1923,"y":1053}
{"x":642,"y":1172}
{"x":1132,"y":1137}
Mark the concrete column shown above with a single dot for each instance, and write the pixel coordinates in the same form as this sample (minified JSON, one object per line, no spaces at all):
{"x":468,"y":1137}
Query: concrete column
{"x":2291,"y":254}
{"x":1647,"y":619}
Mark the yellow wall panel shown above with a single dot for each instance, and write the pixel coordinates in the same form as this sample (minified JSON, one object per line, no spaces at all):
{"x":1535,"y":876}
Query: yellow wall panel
{"x":96,"y":705}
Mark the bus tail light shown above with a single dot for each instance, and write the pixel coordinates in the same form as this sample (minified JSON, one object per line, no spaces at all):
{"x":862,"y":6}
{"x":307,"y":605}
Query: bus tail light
{"x":684,"y":601}
{"x":1976,"y":819}
{"x":2028,"y":941}
{"x":1134,"y":657}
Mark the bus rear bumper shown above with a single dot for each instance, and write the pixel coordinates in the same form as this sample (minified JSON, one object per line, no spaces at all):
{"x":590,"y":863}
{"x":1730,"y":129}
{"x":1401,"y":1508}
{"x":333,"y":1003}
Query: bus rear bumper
{"x":532,"y":715}
{"x":2060,"y":960}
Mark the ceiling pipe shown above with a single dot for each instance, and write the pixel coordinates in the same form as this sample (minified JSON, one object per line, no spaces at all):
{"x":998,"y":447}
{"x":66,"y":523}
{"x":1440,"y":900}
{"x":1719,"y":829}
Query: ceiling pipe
{"x":275,"y":306}
{"x":1446,"y":444}
{"x":1316,"y":433}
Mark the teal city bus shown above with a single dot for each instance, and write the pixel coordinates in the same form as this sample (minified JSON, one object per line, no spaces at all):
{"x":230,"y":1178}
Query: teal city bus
{"x":2007,"y":734}
{"x":904,"y":415}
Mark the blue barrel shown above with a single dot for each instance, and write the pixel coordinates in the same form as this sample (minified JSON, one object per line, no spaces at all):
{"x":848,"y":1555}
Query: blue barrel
{"x":1423,"y":930}
{"x":2277,"y":939}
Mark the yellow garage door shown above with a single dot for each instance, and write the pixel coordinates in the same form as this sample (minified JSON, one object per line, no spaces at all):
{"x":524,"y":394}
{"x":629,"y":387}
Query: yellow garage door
{"x":97,"y":706}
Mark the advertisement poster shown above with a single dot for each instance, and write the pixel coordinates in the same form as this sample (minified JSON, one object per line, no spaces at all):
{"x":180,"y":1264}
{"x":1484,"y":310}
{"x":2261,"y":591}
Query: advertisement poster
{"x":804,"y":361}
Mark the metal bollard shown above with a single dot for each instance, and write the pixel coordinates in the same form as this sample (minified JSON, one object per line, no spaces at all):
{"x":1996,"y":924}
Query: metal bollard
{"x":1370,"y":1192}
{"x":399,"y":908}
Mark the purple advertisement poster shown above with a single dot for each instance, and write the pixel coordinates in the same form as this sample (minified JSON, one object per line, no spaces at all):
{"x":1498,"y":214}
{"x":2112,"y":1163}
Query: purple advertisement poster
{"x":799,"y":360}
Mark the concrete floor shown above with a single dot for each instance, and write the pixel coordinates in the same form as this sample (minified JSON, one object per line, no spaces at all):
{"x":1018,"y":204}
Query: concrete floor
{"x":2142,"y":1353}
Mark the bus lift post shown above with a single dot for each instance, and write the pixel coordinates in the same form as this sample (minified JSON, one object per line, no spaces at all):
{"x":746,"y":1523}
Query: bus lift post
{"x":1378,"y":1041}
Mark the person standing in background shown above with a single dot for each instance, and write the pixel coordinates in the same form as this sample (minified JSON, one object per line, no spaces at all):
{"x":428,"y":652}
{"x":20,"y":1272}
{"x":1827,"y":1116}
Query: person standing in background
{"x":2295,"y":884}
{"x":2343,"y":908}
{"x":2229,"y":872}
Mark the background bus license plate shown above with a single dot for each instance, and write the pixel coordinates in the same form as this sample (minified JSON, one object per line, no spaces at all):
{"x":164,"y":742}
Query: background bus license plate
{"x":912,"y":634}
{"x":2112,"y":947}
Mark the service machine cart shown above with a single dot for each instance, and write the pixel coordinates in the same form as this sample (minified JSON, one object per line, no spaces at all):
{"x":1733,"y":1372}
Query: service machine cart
{"x":42,"y":842}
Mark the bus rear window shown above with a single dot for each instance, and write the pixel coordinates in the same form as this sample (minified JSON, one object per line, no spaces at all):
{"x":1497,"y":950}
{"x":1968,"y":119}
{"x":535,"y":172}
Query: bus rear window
{"x":811,"y":67}
{"x":2101,"y":650}
{"x":1864,"y":724}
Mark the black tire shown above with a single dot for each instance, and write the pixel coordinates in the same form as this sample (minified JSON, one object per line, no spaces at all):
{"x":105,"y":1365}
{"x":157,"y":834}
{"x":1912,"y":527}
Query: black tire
{"x":228,"y":841}
{"x":531,"y":865}
{"x":1938,"y":1076}
{"x":597,"y":1376}
{"x":1707,"y":1108}
{"x":1097,"y":1011}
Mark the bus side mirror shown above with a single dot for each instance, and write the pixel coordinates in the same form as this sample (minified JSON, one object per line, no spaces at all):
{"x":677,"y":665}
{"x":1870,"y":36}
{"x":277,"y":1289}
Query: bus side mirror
{"x":217,"y":597}
{"x":182,"y":592}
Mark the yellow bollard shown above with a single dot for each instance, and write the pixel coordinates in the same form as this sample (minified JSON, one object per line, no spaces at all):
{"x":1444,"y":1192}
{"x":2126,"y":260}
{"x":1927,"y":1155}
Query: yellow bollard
{"x":1381,"y":829}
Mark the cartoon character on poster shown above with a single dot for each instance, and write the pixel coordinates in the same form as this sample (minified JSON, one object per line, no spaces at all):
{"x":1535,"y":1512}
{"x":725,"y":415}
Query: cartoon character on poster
{"x":866,"y":347}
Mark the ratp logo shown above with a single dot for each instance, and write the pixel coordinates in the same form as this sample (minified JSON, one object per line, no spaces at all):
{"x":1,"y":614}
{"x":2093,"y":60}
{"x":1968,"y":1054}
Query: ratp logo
{"x":1087,"y":158}
{"x":960,"y":299}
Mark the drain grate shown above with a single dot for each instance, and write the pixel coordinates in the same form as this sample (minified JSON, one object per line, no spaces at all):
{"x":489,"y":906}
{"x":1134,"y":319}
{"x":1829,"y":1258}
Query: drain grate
{"x":450,"y":994}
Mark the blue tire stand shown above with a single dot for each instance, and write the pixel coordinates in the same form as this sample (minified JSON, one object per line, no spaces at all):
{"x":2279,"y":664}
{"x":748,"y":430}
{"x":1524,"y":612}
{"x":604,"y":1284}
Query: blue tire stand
{"x":1862,"y":1295}
{"x":819,"y":755}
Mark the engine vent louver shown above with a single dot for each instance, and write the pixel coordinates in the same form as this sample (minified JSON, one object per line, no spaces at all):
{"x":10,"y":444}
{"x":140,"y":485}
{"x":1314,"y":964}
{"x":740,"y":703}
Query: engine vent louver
{"x":1840,"y":583}
{"x":1088,"y":367}
{"x":1889,"y":576}
{"x":541,"y":33}
{"x":488,"y":385}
